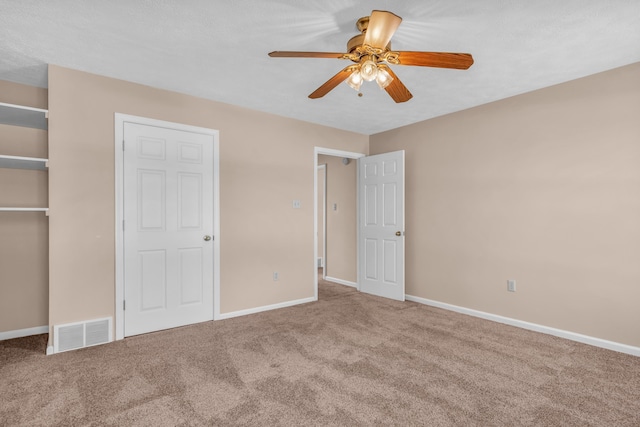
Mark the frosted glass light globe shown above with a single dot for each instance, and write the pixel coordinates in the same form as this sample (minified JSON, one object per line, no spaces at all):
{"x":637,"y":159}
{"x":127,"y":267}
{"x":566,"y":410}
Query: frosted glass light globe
{"x":369,"y":70}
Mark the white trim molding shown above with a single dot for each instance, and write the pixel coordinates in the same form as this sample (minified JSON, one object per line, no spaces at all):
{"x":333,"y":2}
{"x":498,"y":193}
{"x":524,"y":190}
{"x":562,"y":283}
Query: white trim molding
{"x":255,"y":310}
{"x":341,"y":282}
{"x":322,"y":258}
{"x":27,"y":332}
{"x":573,"y":336}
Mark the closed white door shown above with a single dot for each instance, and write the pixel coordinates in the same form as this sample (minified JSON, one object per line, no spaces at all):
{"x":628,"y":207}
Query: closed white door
{"x":168,"y":225}
{"x":381,"y":225}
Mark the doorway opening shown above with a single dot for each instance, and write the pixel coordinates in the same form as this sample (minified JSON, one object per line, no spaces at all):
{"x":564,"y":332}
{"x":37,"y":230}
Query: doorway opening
{"x":335,"y":217}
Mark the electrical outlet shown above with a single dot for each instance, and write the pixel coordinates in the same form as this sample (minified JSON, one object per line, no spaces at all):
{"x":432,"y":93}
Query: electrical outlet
{"x":297,"y":204}
{"x":276,"y":276}
{"x":511,"y":285}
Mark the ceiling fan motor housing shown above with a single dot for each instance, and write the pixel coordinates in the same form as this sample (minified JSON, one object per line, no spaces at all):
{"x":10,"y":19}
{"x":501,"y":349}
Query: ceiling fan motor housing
{"x":357,"y":41}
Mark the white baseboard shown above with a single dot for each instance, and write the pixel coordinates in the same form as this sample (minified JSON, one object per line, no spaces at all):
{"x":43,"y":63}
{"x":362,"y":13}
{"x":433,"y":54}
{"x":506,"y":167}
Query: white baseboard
{"x":585,"y":339}
{"x":265,"y":308}
{"x":19,"y":333}
{"x":341,"y":282}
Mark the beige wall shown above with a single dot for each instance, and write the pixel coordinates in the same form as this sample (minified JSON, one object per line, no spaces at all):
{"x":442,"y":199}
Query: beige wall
{"x":266,"y":162}
{"x":342,"y":259}
{"x":29,"y":96}
{"x":24,"y":293}
{"x":543,"y":188}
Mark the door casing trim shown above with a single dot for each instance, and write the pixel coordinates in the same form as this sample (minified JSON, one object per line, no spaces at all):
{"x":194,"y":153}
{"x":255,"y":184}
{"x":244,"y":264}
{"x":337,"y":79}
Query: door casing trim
{"x":119,"y":120}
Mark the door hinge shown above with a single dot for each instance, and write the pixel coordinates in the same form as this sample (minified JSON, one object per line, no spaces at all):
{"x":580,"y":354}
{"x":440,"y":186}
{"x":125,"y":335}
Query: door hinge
{"x":123,"y":145}
{"x":123,"y":225}
{"x":124,"y":305}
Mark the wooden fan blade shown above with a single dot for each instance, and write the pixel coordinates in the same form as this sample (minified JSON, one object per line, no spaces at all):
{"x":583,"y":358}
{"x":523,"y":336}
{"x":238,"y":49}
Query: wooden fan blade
{"x":396,"y":89}
{"x":460,"y":61}
{"x":382,"y":26}
{"x":283,"y":54}
{"x":332,"y":82}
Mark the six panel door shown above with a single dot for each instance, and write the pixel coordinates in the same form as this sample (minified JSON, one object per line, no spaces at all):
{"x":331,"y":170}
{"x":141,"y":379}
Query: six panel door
{"x":381,"y":224}
{"x":168,"y":212}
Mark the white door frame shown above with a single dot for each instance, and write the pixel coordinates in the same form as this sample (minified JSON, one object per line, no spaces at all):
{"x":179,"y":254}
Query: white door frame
{"x":324,"y":218}
{"x":329,"y":152}
{"x":120,"y":119}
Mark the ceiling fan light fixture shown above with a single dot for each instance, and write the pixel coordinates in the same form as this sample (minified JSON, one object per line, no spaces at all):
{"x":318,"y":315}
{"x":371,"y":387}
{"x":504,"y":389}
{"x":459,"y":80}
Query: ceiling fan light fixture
{"x":355,"y":80}
{"x":371,"y":53}
{"x":369,"y":70}
{"x":383,"y":78}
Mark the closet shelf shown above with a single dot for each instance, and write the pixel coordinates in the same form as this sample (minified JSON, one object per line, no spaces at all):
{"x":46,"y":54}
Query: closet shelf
{"x":21,"y":115}
{"x":16,"y":162}
{"x":7,"y":209}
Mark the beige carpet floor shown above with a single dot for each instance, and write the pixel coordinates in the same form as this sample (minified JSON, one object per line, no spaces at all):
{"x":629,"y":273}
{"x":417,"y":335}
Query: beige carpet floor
{"x":349,"y":359}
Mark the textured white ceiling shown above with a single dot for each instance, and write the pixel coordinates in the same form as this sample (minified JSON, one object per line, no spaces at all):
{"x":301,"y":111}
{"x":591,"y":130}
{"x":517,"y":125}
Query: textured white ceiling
{"x":218,"y":49}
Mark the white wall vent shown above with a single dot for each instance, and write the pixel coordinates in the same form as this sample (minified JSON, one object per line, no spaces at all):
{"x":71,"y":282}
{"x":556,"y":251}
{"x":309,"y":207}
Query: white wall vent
{"x":72,"y":336}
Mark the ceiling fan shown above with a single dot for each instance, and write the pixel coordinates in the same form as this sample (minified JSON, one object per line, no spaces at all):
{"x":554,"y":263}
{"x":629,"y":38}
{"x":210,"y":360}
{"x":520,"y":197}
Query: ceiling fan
{"x":372,"y":54}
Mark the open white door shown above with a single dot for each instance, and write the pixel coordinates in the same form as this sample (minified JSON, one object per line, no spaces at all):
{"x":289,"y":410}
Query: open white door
{"x":168,"y":228}
{"x":381,"y":225}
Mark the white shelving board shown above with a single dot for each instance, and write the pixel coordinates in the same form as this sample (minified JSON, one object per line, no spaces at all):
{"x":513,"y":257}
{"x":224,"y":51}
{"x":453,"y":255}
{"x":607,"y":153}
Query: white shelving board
{"x":8,"y":209}
{"x":20,"y":115}
{"x":32,"y":117}
{"x":15,"y":162}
